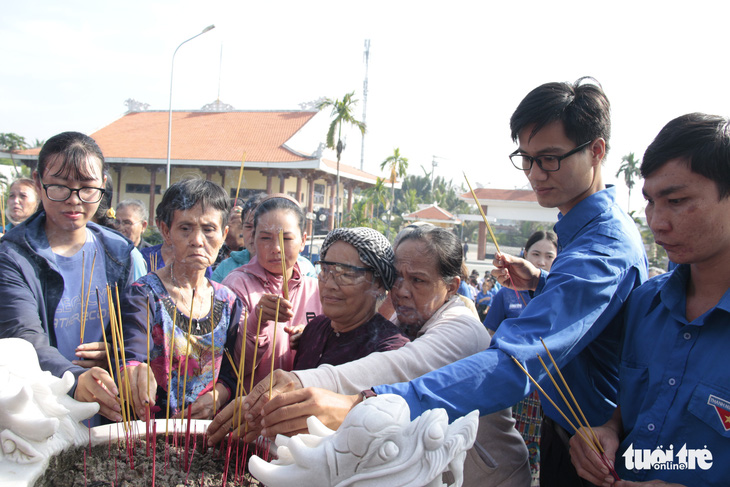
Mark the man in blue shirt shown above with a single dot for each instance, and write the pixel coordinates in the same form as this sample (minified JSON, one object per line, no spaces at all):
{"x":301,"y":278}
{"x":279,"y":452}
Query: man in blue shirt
{"x":563,"y":132}
{"x":673,"y":419}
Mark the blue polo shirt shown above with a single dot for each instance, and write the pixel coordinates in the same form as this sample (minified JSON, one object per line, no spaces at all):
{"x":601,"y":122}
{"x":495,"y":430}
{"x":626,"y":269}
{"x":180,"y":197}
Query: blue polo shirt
{"x":675,"y":384}
{"x":506,"y":304}
{"x":600,"y":261}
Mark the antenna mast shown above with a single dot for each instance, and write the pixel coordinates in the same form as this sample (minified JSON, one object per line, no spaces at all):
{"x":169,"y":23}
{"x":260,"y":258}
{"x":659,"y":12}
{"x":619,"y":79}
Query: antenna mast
{"x":366,"y":55}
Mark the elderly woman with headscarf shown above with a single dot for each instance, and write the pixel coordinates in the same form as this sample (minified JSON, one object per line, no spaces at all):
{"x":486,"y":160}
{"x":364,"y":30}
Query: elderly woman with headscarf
{"x":356,"y":272}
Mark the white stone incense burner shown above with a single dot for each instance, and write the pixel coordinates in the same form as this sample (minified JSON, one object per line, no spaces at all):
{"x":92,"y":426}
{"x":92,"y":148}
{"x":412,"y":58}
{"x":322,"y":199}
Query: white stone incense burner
{"x":376,"y":445}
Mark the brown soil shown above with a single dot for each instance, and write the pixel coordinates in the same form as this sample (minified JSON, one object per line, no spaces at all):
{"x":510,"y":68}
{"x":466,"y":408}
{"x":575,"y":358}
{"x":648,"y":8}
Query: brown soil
{"x":108,"y":465}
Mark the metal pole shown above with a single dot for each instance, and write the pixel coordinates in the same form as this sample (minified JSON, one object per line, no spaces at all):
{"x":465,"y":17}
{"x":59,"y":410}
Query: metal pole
{"x":169,"y":118}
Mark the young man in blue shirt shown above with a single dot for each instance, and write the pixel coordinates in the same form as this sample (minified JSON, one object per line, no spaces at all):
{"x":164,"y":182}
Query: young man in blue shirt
{"x":673,"y":419}
{"x":563,"y":131}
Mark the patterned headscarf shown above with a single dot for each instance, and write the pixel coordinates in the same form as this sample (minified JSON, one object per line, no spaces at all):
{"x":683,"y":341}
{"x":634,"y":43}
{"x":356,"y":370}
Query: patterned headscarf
{"x":372,"y":247}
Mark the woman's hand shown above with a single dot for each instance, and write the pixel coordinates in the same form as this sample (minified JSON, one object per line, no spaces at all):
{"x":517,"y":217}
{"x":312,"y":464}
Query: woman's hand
{"x":267,"y":308}
{"x":143,"y":393}
{"x":251,"y":408}
{"x":92,"y":355}
{"x":295,"y":333}
{"x":515,"y":273}
{"x":287,"y":413}
{"x":203,"y":408}
{"x":96,"y":385}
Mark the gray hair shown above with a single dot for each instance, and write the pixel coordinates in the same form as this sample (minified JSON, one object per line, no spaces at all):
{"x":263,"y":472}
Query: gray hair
{"x":135,"y":203}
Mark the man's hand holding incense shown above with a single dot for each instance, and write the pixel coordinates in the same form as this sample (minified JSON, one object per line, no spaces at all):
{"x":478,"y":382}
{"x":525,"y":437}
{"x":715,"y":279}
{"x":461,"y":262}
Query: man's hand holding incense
{"x":96,"y":385}
{"x":267,"y":308}
{"x":91,"y":355}
{"x":586,"y":461}
{"x":287,"y":413}
{"x":515,"y":273}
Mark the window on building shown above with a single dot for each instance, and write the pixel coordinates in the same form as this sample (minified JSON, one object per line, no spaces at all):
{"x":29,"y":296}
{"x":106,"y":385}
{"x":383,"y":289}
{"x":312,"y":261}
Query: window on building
{"x":141,"y":188}
{"x":318,"y":194}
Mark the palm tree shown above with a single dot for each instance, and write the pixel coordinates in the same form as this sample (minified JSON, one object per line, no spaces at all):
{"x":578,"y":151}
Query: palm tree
{"x":12,"y":142}
{"x":630,"y":169}
{"x":398,"y":166}
{"x":341,"y":113}
{"x":377,"y":195}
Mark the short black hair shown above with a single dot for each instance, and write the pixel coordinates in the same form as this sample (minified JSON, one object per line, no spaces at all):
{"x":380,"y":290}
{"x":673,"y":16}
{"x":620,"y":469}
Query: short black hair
{"x":188,"y":193}
{"x":75,"y":148}
{"x":279,"y":202}
{"x":702,"y":140}
{"x":584,"y":110}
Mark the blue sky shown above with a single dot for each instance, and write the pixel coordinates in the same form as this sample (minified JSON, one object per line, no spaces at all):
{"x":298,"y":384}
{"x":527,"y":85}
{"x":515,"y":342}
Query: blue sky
{"x":444,"y":76}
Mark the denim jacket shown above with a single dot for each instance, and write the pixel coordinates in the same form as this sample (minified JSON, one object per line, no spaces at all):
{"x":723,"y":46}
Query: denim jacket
{"x":31,"y":286}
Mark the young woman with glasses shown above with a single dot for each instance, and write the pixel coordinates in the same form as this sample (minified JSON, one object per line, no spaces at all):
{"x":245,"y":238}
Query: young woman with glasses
{"x":47,"y":260}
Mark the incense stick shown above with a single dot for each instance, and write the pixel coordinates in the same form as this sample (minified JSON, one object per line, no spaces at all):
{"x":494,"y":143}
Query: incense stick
{"x":240,"y":175}
{"x":285,"y":282}
{"x":476,"y":200}
{"x":85,"y":309}
{"x":256,"y":348}
{"x":103,"y":333}
{"x":240,"y":390}
{"x":148,"y":355}
{"x":212,"y":350}
{"x":187,"y":353}
{"x":169,"y":372}
{"x":83,"y":283}
{"x":273,"y":346}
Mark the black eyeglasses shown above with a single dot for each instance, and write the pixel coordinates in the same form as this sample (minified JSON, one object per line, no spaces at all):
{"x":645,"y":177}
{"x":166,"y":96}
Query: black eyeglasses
{"x":547,"y":163}
{"x":344,"y":274}
{"x":59,"y":192}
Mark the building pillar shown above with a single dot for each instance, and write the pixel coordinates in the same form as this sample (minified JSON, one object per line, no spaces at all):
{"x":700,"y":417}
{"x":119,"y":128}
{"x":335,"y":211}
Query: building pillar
{"x":482,"y":242}
{"x":299,"y":196}
{"x":269,"y":183}
{"x":310,"y":206}
{"x":282,"y":183}
{"x":119,"y":184}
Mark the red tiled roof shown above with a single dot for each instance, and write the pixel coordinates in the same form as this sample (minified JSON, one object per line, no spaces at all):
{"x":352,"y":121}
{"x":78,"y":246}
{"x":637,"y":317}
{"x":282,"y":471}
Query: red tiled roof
{"x":501,"y":194}
{"x":432,"y":212}
{"x":213,"y":136}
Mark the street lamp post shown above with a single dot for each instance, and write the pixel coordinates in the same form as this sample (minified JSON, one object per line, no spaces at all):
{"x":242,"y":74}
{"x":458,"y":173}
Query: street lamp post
{"x":169,"y":119}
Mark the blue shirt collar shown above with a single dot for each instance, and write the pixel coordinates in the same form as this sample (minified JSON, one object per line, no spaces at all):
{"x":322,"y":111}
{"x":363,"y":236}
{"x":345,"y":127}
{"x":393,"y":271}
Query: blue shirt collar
{"x":570,"y":224}
{"x":673,"y":295}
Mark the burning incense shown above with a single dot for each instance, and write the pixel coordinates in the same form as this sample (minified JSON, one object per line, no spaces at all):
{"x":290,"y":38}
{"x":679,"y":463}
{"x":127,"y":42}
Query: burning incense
{"x":127,"y":389}
{"x":285,"y":282}
{"x":240,"y":175}
{"x":239,"y":383}
{"x":273,"y":346}
{"x":187,"y":353}
{"x":112,"y":318}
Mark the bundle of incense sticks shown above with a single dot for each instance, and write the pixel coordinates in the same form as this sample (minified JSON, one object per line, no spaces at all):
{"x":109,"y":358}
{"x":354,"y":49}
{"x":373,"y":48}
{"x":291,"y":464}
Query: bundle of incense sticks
{"x":212,"y":352}
{"x":187,"y":353}
{"x":273,"y":347}
{"x":85,"y":300}
{"x":592,"y":439}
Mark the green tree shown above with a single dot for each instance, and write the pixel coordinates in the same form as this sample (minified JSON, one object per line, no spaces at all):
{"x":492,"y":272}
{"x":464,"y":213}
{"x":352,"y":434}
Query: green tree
{"x":630,"y":170}
{"x":12,"y":142}
{"x":342,"y":113}
{"x":398,"y":165}
{"x":377,"y":195}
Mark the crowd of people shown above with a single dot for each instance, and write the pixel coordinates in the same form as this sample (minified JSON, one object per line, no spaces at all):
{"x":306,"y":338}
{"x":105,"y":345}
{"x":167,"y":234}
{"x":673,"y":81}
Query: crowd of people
{"x":226,"y":298}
